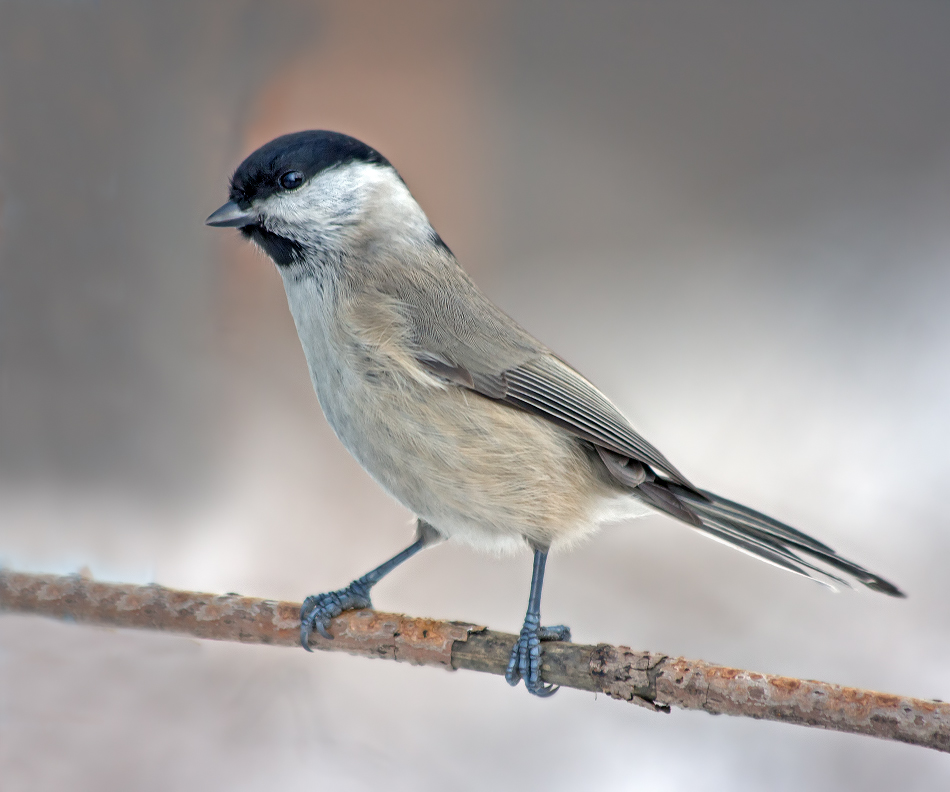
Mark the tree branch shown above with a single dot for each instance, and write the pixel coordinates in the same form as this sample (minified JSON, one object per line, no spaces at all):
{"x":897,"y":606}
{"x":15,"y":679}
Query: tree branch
{"x":655,"y":681}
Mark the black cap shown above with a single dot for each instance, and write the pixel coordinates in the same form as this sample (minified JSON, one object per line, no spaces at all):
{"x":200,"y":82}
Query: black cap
{"x":307,"y":153}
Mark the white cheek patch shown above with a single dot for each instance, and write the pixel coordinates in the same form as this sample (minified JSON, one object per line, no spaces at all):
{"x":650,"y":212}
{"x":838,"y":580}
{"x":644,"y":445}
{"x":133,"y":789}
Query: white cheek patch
{"x":343,"y":203}
{"x":314,"y":213}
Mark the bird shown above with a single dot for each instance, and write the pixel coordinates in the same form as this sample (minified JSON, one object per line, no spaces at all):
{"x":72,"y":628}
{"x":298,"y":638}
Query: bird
{"x":480,"y":430}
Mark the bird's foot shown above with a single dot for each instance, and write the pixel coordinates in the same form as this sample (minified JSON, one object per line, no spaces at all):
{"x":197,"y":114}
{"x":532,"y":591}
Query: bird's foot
{"x":525,"y":662}
{"x":317,"y":610}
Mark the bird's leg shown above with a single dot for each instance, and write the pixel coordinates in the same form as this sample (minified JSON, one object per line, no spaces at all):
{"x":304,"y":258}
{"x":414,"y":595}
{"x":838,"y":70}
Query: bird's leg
{"x":525,"y":662}
{"x":317,"y":610}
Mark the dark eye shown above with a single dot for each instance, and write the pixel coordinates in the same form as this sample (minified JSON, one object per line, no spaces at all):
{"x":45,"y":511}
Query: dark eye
{"x":291,"y":180}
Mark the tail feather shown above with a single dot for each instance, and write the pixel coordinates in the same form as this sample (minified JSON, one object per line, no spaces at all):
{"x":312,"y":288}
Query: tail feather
{"x":759,"y":535}
{"x":772,"y":553}
{"x":659,"y":496}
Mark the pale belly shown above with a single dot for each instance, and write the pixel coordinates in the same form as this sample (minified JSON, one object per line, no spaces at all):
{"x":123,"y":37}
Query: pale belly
{"x":479,"y":471}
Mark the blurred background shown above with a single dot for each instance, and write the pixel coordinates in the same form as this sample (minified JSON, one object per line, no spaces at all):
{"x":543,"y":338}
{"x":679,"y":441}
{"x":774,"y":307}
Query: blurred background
{"x":761,"y":189}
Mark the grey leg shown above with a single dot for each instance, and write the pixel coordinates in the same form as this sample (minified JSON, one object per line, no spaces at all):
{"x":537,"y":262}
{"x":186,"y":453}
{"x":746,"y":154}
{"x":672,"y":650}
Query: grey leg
{"x":317,"y":610}
{"x":525,"y":662}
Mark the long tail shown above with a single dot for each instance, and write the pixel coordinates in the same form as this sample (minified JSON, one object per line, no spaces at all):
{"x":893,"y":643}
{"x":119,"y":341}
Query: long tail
{"x":756,"y":534}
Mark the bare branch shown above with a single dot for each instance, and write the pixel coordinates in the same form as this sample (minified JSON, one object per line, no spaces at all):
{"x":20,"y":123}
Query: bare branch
{"x":652,"y":680}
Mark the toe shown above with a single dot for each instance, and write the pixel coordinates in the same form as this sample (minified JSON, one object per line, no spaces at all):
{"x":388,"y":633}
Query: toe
{"x":513,"y":673}
{"x":530,"y":658}
{"x":559,"y":632}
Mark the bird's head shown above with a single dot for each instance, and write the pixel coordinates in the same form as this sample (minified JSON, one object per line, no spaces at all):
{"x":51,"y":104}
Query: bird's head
{"x":311,"y":196}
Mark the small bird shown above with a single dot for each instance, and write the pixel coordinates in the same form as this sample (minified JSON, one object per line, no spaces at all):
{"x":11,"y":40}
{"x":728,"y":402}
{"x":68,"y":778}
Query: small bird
{"x":461,"y":415}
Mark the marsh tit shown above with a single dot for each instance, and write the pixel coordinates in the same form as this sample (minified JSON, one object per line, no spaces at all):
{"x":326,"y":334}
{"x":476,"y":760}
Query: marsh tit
{"x":460,"y":414}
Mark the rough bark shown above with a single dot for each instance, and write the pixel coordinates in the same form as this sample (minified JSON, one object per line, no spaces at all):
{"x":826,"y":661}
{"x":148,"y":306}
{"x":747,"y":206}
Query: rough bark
{"x":652,"y":680}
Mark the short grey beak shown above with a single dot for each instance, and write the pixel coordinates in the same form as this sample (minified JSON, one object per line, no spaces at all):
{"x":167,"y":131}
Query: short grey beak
{"x":231,"y":216}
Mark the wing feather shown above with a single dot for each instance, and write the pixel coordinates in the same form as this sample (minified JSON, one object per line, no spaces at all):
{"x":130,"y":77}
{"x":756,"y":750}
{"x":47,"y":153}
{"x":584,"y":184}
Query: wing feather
{"x":554,"y":389}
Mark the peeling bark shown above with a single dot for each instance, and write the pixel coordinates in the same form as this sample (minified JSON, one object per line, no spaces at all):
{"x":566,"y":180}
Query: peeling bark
{"x":648,"y":679}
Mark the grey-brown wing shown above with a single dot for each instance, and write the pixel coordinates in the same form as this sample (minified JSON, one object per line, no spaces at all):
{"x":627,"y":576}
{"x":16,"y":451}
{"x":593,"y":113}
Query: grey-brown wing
{"x":548,"y":387}
{"x":462,"y":337}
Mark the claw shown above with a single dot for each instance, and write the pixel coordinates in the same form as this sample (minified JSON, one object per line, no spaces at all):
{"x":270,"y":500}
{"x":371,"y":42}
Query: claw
{"x":317,"y":611}
{"x":543,"y":691}
{"x":525,"y":660}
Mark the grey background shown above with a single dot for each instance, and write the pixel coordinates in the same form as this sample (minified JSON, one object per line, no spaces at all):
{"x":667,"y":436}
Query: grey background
{"x":733,"y":217}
